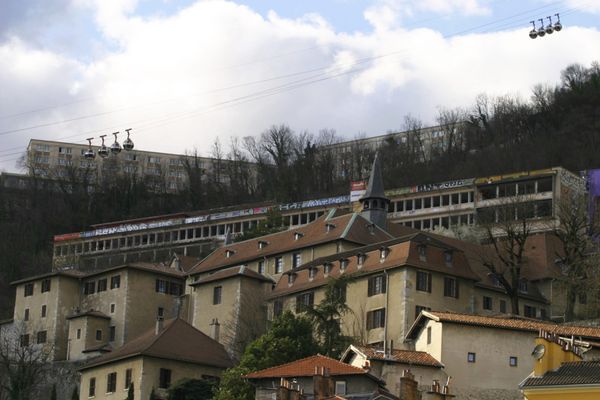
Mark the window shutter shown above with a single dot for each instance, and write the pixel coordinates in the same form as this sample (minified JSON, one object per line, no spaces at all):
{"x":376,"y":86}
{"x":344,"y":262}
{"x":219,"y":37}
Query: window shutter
{"x":456,"y":284}
{"x":383,"y":284}
{"x":429,"y":282}
{"x":370,"y":291}
{"x":157,"y":285}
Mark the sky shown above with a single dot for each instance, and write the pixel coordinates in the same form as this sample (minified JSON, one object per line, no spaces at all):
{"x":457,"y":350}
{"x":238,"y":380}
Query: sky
{"x":185,"y":73}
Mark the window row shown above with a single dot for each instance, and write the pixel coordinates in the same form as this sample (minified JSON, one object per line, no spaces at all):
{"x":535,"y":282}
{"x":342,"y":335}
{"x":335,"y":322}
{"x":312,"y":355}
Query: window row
{"x":302,"y":218}
{"x":442,"y":200}
{"x":510,"y":212}
{"x":510,"y":189}
{"x":169,"y":287}
{"x":41,"y":337}
{"x":424,"y":280}
{"x":91,"y":287}
{"x":153,"y":238}
{"x":29,"y":287}
{"x":434,"y":222}
{"x":111,"y":382}
{"x":43,"y":313}
{"x":472,"y":358}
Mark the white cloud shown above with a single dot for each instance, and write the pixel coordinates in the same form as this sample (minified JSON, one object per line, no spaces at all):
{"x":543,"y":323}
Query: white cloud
{"x":186,"y":70}
{"x":587,"y":6}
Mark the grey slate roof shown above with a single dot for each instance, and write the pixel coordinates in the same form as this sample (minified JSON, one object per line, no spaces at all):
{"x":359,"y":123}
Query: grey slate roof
{"x":568,"y":374}
{"x":375,"y":186}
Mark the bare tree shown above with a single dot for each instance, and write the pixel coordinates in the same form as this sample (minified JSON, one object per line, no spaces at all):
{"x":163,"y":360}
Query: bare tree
{"x":23,"y":364}
{"x":577,"y":252}
{"x":247,"y":322}
{"x":505,"y":230}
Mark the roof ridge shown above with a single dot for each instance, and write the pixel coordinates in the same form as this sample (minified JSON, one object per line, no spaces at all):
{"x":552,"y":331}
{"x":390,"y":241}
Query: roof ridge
{"x":349,"y":225}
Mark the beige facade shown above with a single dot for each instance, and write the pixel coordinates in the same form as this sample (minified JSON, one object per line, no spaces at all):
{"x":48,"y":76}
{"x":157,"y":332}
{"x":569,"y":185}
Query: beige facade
{"x":388,"y":290}
{"x":74,"y":309}
{"x":43,"y":304}
{"x":145,"y":375}
{"x":490,"y":367}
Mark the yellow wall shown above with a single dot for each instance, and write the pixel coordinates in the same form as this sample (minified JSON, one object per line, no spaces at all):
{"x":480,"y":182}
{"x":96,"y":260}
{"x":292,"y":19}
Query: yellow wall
{"x":591,"y":393}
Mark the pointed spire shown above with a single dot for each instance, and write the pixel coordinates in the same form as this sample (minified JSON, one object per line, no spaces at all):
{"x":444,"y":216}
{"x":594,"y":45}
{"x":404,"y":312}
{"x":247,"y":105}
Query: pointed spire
{"x":375,"y":185}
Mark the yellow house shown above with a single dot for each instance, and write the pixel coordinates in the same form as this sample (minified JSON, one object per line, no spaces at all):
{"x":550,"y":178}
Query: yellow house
{"x":559,"y":372}
{"x":173,"y":350}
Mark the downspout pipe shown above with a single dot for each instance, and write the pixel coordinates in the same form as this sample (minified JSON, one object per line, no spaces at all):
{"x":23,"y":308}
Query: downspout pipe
{"x":385,"y":324}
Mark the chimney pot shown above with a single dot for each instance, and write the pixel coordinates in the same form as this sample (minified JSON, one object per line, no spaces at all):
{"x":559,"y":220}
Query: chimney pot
{"x":159,"y":325}
{"x":215,"y":329}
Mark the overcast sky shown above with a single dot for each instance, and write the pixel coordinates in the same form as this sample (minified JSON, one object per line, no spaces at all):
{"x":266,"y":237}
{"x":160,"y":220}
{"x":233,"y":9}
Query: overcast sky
{"x":182,"y":73}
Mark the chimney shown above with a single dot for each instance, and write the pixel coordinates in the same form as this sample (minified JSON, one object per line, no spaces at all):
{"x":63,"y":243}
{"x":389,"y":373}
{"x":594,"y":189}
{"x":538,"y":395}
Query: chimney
{"x":215,"y":329}
{"x":324,"y":387}
{"x":159,"y":325}
{"x":408,"y":386}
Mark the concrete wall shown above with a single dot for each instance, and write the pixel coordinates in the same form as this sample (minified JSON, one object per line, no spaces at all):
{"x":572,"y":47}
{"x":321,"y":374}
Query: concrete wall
{"x":492,"y":347}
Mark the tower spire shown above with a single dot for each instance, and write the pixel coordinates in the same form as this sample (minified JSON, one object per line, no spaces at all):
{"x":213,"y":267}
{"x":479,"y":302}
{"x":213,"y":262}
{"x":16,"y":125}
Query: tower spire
{"x":374,"y":202}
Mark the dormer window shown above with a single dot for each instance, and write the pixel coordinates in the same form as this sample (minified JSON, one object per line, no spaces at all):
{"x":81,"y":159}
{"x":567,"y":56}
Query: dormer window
{"x":312,"y":272}
{"x":383,"y":253}
{"x":448,"y":257}
{"x":291,"y":278}
{"x":262,"y":244}
{"x":327,"y":268}
{"x":422,"y":252}
{"x":344,"y":264}
{"x":229,"y":253}
{"x":360,"y":259}
{"x":298,"y":235}
{"x":329,"y":227}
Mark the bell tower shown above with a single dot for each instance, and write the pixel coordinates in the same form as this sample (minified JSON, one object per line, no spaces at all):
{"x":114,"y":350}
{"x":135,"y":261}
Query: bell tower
{"x":374,"y":203}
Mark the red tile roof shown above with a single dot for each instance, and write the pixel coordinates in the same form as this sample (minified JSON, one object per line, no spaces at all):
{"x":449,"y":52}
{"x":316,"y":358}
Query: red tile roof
{"x":306,"y":367}
{"x":400,"y":356}
{"x":231,"y":272}
{"x":402,"y":252}
{"x":503,"y":322}
{"x":348,"y":227}
{"x":178,"y":341}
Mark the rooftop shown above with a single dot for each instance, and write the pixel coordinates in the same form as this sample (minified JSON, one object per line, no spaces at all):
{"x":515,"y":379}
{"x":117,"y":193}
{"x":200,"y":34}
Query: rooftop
{"x":510,"y":322}
{"x":410,"y":357}
{"x":306,"y":367}
{"x":328,"y":228}
{"x":178,"y":341}
{"x":574,"y":373}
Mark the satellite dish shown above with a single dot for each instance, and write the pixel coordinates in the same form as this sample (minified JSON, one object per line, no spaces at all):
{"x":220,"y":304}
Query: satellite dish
{"x":538,"y":351}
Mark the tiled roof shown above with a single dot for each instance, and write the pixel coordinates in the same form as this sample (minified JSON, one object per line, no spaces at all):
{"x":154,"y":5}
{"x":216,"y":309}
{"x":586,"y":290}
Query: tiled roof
{"x":402,"y":252}
{"x":230,"y":272}
{"x":503,"y":322}
{"x":306,"y":367}
{"x":142,"y":266}
{"x":400,"y":356}
{"x":349,"y":227}
{"x":572,"y":373}
{"x":89,"y":313}
{"x":178,"y":340}
{"x":71,"y":273}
